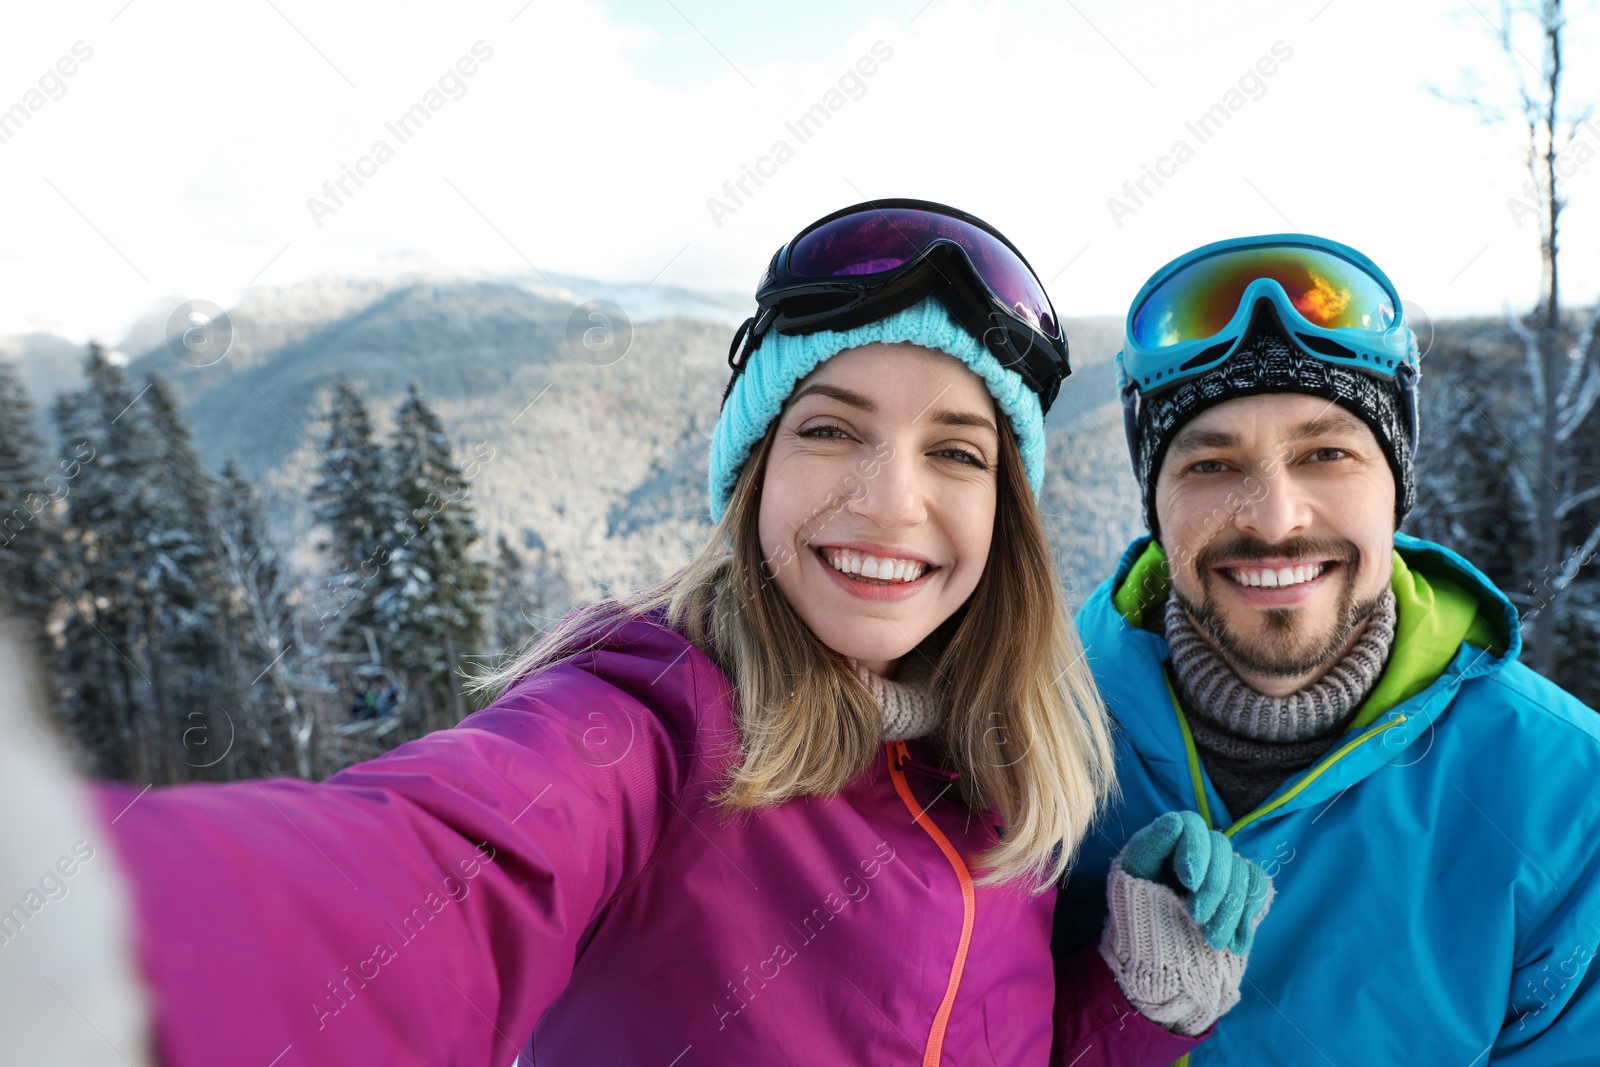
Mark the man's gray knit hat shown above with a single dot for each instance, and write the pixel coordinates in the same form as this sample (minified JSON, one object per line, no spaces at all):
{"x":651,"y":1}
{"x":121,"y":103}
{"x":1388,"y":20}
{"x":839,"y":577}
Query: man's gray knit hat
{"x":1268,"y":362}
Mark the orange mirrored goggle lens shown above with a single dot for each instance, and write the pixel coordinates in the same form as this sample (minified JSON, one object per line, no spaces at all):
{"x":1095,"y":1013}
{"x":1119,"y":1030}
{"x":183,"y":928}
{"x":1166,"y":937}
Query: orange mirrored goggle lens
{"x":1201,"y":299}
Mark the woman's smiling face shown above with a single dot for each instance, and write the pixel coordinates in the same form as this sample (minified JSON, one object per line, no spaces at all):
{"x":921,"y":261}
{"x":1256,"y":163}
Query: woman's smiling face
{"x":878,"y":500}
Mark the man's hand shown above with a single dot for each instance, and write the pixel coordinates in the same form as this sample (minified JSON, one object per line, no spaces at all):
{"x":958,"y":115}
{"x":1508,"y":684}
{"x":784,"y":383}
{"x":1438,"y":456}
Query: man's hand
{"x":1223,"y":892}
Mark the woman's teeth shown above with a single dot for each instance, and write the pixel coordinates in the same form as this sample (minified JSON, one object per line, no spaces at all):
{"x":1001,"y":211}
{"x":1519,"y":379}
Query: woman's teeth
{"x":884,"y":569}
{"x":1277,"y":578}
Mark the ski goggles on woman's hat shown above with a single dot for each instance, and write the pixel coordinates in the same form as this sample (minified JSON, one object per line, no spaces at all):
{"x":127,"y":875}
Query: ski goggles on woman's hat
{"x":876,"y":258}
{"x":1330,"y":299}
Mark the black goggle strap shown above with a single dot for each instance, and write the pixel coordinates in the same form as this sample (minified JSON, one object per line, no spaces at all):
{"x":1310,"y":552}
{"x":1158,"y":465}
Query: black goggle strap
{"x":1406,"y":376}
{"x":1130,"y":423}
{"x":1042,"y":372}
{"x":1041,"y":367}
{"x":745,"y":340}
{"x":736,"y":349}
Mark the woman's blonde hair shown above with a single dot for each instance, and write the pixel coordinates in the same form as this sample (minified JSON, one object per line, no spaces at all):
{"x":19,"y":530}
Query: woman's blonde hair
{"x":1023,"y":721}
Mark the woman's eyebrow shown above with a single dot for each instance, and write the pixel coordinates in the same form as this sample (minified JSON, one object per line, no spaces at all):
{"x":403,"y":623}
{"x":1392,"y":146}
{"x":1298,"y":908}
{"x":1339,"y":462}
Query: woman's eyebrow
{"x":856,"y":400}
{"x":962,"y":418}
{"x":844,"y":396}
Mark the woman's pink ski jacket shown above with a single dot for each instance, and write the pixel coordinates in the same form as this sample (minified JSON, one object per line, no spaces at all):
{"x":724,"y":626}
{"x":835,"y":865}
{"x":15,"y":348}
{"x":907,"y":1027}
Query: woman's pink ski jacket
{"x":549,"y":880}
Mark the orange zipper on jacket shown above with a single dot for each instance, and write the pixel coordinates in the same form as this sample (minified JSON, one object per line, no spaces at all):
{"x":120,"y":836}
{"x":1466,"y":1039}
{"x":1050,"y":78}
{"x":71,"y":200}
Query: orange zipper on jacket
{"x":898,"y":756}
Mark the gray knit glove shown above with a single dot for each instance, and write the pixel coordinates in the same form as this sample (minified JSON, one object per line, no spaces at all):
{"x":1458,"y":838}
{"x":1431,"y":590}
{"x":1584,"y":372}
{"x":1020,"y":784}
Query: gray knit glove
{"x":1160,"y":957}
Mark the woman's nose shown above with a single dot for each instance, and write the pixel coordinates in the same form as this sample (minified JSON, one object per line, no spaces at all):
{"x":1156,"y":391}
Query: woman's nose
{"x":892,"y":493}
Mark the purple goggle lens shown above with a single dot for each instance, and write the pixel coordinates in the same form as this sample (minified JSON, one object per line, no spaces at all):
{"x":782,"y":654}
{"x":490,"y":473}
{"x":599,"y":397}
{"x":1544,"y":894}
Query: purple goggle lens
{"x":881,"y":239}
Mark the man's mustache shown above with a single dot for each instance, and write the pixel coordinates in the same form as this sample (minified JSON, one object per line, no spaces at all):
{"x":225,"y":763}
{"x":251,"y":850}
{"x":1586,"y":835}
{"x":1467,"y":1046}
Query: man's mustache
{"x":1247,"y":549}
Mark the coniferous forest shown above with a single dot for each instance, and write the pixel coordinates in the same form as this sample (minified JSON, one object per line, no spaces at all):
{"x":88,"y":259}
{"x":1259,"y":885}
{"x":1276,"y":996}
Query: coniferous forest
{"x":182,"y":642}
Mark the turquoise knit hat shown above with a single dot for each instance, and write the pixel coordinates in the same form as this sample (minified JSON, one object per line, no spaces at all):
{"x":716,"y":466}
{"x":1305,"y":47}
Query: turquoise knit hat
{"x":776,"y":367}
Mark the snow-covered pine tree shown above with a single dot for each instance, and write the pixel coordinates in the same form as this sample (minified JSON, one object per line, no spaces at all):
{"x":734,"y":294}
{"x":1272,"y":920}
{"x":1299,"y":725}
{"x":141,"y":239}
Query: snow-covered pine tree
{"x":184,"y":590}
{"x":530,"y":596}
{"x":432,"y":612}
{"x":354,"y":504}
{"x":109,"y":692}
{"x":141,"y":650}
{"x":30,"y":495}
{"x":275,"y":719}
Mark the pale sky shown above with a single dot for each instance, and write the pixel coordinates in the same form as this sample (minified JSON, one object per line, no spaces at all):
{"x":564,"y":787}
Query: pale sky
{"x":176,"y":161}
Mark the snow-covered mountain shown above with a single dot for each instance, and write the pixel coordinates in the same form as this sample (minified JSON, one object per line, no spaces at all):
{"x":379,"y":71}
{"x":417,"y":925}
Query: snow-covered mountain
{"x":600,"y":454}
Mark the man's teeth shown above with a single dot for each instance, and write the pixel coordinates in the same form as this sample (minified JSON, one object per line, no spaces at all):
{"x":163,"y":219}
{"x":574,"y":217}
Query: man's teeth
{"x":865,"y":566}
{"x":1269,"y":578}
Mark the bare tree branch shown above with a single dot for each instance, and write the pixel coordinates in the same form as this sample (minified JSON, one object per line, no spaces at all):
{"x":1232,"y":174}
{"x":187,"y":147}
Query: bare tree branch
{"x":1578,"y":500}
{"x":1489,"y":113}
{"x":1575,"y":562}
{"x":1583,"y":354}
{"x":1530,"y":352}
{"x":1524,"y":491}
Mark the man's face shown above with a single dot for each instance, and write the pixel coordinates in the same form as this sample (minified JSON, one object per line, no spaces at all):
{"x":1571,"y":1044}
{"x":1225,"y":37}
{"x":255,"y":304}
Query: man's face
{"x":1277,"y":516}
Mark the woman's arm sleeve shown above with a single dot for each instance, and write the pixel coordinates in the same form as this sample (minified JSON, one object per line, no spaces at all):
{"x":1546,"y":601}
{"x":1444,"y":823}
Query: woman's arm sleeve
{"x":421,"y":908}
{"x":1095,"y":1024}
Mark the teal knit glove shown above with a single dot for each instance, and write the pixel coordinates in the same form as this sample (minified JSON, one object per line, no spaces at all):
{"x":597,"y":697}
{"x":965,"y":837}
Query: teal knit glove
{"x":1223,"y":891}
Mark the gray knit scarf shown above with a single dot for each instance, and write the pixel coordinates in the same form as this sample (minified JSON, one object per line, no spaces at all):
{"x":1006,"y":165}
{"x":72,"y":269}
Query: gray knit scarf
{"x":906,"y":700}
{"x":1250,"y":742}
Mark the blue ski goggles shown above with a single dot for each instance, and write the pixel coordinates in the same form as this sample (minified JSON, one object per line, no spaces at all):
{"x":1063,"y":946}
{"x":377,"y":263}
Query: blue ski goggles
{"x":1191,"y":315}
{"x":1329,"y":299}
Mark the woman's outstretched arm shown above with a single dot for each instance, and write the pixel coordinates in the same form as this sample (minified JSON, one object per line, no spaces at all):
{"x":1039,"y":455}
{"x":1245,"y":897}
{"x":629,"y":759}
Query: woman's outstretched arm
{"x":420,"y":908}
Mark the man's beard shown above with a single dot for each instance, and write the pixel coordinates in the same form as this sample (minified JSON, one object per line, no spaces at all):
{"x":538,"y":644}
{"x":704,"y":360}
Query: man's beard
{"x":1287,"y":649}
